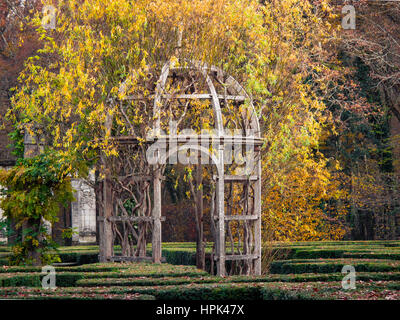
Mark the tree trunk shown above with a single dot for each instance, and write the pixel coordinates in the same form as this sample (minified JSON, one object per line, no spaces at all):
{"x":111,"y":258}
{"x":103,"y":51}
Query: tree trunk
{"x":31,"y":149}
{"x":33,"y":226}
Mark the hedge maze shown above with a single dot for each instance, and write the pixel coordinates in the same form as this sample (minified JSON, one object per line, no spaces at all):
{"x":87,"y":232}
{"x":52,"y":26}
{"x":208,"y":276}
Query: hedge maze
{"x":302,"y":271}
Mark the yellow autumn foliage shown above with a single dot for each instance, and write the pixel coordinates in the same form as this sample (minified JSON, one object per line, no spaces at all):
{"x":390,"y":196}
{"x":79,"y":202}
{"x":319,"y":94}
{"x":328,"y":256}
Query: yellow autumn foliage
{"x":102,"y":46}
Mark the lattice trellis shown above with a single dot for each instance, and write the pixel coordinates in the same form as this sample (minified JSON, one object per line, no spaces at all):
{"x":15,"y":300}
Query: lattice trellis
{"x":131,"y":191}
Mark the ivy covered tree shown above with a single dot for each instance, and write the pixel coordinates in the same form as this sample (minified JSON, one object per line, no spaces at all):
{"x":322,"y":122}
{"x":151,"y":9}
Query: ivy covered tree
{"x":35,"y":188}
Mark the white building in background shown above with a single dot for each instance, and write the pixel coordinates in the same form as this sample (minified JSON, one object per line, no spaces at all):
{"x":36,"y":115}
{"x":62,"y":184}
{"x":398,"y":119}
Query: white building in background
{"x":83,"y":212}
{"x":3,"y":237}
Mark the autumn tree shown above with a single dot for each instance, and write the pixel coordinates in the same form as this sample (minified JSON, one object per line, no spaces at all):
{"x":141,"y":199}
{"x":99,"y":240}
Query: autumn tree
{"x":17,"y":43}
{"x":101,"y":52}
{"x":368,"y":108}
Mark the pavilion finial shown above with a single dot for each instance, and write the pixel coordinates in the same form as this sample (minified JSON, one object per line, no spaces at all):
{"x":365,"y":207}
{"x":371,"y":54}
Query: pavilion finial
{"x":179,"y":43}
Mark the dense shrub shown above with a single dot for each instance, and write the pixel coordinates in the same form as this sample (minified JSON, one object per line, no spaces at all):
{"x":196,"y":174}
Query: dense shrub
{"x":284,"y":267}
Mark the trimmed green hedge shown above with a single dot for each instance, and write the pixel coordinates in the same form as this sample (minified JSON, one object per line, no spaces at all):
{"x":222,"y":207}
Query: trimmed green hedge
{"x":309,"y":270}
{"x":180,"y":257}
{"x":220,"y":292}
{"x":287,"y":266}
{"x":35,"y":280}
{"x":245,"y":291}
{"x":273,"y":290}
{"x":90,"y":297}
{"x":184,"y":253}
{"x":106,"y":281}
{"x":276,"y":294}
{"x":79,"y":257}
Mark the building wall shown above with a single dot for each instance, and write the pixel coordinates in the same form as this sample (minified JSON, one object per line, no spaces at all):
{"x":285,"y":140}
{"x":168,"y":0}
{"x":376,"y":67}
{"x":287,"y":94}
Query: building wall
{"x":83,"y":213}
{"x":3,"y":236}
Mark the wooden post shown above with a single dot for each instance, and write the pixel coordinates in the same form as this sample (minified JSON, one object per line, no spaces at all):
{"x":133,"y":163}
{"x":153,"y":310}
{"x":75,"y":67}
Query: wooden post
{"x":198,"y":195}
{"x":100,"y":221}
{"x":221,"y":215}
{"x":257,"y":224}
{"x":156,"y":243}
{"x":106,"y":238}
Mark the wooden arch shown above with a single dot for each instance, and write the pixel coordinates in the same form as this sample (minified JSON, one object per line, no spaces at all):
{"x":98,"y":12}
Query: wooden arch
{"x":247,"y":215}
